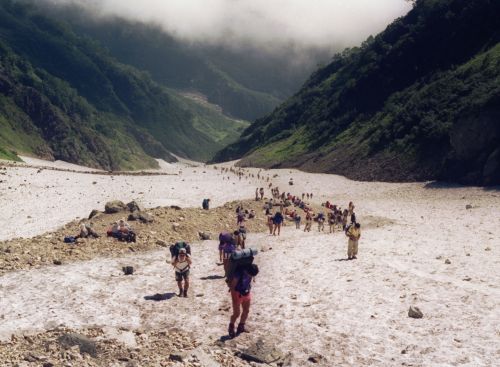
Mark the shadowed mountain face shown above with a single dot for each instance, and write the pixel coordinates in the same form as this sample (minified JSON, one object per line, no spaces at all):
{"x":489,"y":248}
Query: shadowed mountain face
{"x":63,"y":96}
{"x":245,"y":81}
{"x":419,"y":101}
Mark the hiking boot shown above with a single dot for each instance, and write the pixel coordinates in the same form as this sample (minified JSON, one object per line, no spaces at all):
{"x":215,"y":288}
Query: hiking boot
{"x":230,"y":330}
{"x":354,"y":257}
{"x":185,"y":293}
{"x":180,"y":293}
{"x":241,"y":329}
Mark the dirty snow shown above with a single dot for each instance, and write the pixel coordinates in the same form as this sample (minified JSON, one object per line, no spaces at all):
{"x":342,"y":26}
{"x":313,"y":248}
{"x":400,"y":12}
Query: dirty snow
{"x":314,"y":302}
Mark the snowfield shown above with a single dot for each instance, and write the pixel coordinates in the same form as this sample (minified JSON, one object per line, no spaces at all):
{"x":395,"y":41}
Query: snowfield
{"x":306,"y":297}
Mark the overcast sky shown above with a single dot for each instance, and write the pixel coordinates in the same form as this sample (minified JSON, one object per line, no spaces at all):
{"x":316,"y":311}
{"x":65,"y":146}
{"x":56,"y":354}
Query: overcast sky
{"x":275,"y":23}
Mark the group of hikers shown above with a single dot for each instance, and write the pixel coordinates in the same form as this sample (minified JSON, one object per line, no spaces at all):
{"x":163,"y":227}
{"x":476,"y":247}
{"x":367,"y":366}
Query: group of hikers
{"x":237,"y":262}
{"x":336,"y":217}
{"x":120,"y":230}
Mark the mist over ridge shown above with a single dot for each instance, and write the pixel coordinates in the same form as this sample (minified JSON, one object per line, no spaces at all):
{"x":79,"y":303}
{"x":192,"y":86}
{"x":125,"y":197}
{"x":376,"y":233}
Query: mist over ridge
{"x":270,"y":26}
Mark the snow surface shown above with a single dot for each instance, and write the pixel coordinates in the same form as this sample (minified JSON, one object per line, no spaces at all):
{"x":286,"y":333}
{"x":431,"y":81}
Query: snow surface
{"x":350,"y":312}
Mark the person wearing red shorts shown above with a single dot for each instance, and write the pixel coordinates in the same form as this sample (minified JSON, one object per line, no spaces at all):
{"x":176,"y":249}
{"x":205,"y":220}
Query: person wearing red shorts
{"x":240,"y":286}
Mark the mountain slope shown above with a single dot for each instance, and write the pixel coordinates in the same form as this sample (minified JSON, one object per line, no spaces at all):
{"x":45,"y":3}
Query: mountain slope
{"x":246,"y":82}
{"x":64,"y":97}
{"x":419,"y":101}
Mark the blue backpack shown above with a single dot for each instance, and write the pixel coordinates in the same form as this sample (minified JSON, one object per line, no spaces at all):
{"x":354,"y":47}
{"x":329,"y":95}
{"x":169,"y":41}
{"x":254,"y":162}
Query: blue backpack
{"x":244,"y":284}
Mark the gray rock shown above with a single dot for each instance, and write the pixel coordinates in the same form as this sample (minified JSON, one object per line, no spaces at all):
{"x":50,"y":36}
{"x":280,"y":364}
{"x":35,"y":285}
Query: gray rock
{"x":145,"y":217}
{"x":133,"y":216}
{"x":114,"y":206}
{"x":134,"y":206}
{"x":447,"y":262}
{"x":177,"y":357}
{"x":262,"y":351}
{"x":204,"y":236}
{"x":415,"y":313}
{"x":161,"y":243}
{"x":468,"y":206}
{"x":57,"y":262}
{"x":93,"y":213}
{"x":175,"y":207}
{"x":128,"y":270}
{"x":316,"y":358}
{"x":86,"y":345}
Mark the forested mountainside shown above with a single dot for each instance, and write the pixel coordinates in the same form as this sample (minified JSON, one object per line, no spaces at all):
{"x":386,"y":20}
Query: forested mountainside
{"x":420,"y":101}
{"x":246,"y":82}
{"x":62,"y":96}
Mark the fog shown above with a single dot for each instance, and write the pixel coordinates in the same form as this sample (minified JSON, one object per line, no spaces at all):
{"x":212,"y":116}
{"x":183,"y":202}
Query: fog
{"x":327,"y":24}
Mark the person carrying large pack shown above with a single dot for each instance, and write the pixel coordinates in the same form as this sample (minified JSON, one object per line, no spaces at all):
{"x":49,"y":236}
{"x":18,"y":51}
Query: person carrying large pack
{"x":175,"y":248}
{"x":239,"y":278}
{"x":182,"y":264}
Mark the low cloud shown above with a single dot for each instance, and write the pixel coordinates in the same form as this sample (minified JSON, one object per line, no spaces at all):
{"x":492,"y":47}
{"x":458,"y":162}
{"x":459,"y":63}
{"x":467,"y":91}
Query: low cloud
{"x":263,"y":23}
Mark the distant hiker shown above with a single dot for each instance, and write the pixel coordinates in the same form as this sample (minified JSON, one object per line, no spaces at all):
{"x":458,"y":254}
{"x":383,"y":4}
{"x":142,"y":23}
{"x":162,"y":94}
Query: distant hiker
{"x":270,"y":222}
{"x":321,"y":222}
{"x":240,"y":218}
{"x":240,"y":287}
{"x":311,"y":195}
{"x":257,"y":194}
{"x":277,"y":221}
{"x":303,"y":196}
{"x":307,"y":196}
{"x":354,"y":233}
{"x":353,"y":217}
{"x":122,"y":231}
{"x":345,"y":213}
{"x":205,"y":204}
{"x":242,"y":236}
{"x":331,"y":222}
{"x":309,"y":220}
{"x":350,"y":208}
{"x":182,"y":263}
{"x":224,"y":237}
{"x":261,"y":192}
{"x":296,"y":219}
{"x":86,"y":231}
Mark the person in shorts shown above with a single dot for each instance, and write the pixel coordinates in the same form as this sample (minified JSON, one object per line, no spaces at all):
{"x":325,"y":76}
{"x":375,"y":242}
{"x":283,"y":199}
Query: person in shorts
{"x":182,"y":264}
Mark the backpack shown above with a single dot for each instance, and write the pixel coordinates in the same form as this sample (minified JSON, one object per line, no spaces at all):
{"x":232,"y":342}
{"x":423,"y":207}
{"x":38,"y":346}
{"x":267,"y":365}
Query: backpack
{"x":239,"y":259}
{"x":225,"y":237}
{"x":205,"y":204}
{"x":244,"y":284}
{"x":174,"y":249}
{"x":69,"y":239}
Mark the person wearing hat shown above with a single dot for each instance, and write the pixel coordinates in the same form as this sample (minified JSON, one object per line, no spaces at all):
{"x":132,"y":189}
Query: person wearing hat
{"x":181,"y":264}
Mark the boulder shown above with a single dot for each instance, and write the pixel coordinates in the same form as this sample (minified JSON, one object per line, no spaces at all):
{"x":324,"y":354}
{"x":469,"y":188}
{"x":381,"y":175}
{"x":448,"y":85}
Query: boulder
{"x":415,"y":313}
{"x":204,"y":236}
{"x":468,"y":206}
{"x":128,"y":270}
{"x":86,"y":345}
{"x":134,"y":206}
{"x":262,"y":351}
{"x":145,"y":217}
{"x":447,"y":262}
{"x":114,"y":206}
{"x":177,"y":357}
{"x":161,"y":243}
{"x":93,"y":213}
{"x":175,"y":207}
{"x":133,"y":216}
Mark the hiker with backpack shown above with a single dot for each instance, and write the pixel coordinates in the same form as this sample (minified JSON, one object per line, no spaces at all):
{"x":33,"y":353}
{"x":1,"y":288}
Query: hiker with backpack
{"x":240,"y":275}
{"x":181,"y":261}
{"x":277,"y":221}
{"x":353,"y":232}
{"x":227,"y":245}
{"x":205,"y":204}
{"x":309,"y":220}
{"x":296,"y":219}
